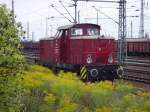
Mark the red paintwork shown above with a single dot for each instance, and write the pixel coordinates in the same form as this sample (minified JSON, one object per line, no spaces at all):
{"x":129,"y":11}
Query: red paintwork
{"x":98,"y":49}
{"x":67,"y":50}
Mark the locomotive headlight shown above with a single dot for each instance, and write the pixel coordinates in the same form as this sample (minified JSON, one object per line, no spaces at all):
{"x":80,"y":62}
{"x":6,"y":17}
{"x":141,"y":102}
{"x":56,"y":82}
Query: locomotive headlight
{"x":110,"y":59}
{"x":89,"y":59}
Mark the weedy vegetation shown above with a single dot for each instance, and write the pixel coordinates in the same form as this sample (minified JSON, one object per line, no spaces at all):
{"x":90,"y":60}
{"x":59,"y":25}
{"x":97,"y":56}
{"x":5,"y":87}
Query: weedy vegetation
{"x":46,"y":92}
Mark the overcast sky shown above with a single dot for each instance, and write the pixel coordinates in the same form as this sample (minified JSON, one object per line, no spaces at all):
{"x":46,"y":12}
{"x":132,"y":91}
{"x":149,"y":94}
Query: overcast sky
{"x":36,"y":11}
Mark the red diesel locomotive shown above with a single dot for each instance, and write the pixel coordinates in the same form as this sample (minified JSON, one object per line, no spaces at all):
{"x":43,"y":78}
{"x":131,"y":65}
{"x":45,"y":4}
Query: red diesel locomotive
{"x":80,"y":48}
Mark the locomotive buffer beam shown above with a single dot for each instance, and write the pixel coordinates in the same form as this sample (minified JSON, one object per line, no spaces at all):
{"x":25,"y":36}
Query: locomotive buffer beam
{"x":102,"y":72}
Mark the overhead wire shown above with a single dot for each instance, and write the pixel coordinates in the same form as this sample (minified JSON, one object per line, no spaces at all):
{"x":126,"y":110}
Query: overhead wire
{"x":52,"y":5}
{"x":66,"y":10}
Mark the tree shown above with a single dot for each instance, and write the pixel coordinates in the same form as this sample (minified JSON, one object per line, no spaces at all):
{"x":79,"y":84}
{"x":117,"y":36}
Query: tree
{"x":11,"y":62}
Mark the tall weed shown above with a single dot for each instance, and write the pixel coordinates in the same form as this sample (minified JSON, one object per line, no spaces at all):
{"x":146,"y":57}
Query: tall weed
{"x":46,"y":92}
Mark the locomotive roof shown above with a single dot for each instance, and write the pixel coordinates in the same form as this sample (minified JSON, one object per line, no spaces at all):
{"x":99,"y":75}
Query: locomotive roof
{"x":73,"y":25}
{"x":65,"y":27}
{"x":138,"y":39}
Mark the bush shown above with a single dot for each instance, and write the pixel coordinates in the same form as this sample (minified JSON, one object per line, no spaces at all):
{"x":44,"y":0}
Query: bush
{"x":11,"y":63}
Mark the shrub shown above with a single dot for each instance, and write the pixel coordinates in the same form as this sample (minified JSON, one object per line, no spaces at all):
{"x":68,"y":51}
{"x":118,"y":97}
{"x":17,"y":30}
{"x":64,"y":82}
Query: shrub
{"x":11,"y":63}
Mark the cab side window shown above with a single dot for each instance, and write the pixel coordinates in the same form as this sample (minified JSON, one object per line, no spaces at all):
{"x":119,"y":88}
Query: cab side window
{"x":92,"y":31}
{"x":59,"y":33}
{"x":76,"y":31}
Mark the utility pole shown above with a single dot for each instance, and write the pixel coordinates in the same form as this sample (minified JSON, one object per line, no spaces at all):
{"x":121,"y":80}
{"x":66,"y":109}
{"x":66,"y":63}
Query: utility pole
{"x":131,"y":29}
{"x":79,"y":16}
{"x":75,"y":6}
{"x":141,"y":30}
{"x":46,"y":31}
{"x":122,"y":44}
{"x":32,"y":36}
{"x":51,"y":30}
{"x":96,"y":14}
{"x":97,"y":18}
{"x":13,"y":12}
{"x":28,"y":31}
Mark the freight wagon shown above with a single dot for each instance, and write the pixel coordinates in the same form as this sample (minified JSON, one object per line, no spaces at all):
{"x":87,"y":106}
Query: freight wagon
{"x":138,"y":46}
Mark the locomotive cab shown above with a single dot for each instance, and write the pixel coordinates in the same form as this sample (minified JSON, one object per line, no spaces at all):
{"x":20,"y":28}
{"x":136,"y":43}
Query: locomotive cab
{"x":82,"y":49}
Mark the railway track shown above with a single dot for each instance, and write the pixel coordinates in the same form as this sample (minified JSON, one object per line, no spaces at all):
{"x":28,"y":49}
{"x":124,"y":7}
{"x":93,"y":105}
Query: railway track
{"x":135,"y":70}
{"x":139,"y":58}
{"x":31,"y":57}
{"x":139,"y":62}
{"x":136,"y":73}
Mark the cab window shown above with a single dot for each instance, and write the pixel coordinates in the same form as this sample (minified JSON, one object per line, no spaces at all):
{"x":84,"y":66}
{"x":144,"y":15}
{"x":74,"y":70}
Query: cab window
{"x":59,"y":33}
{"x":92,"y":31}
{"x":76,"y":31}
